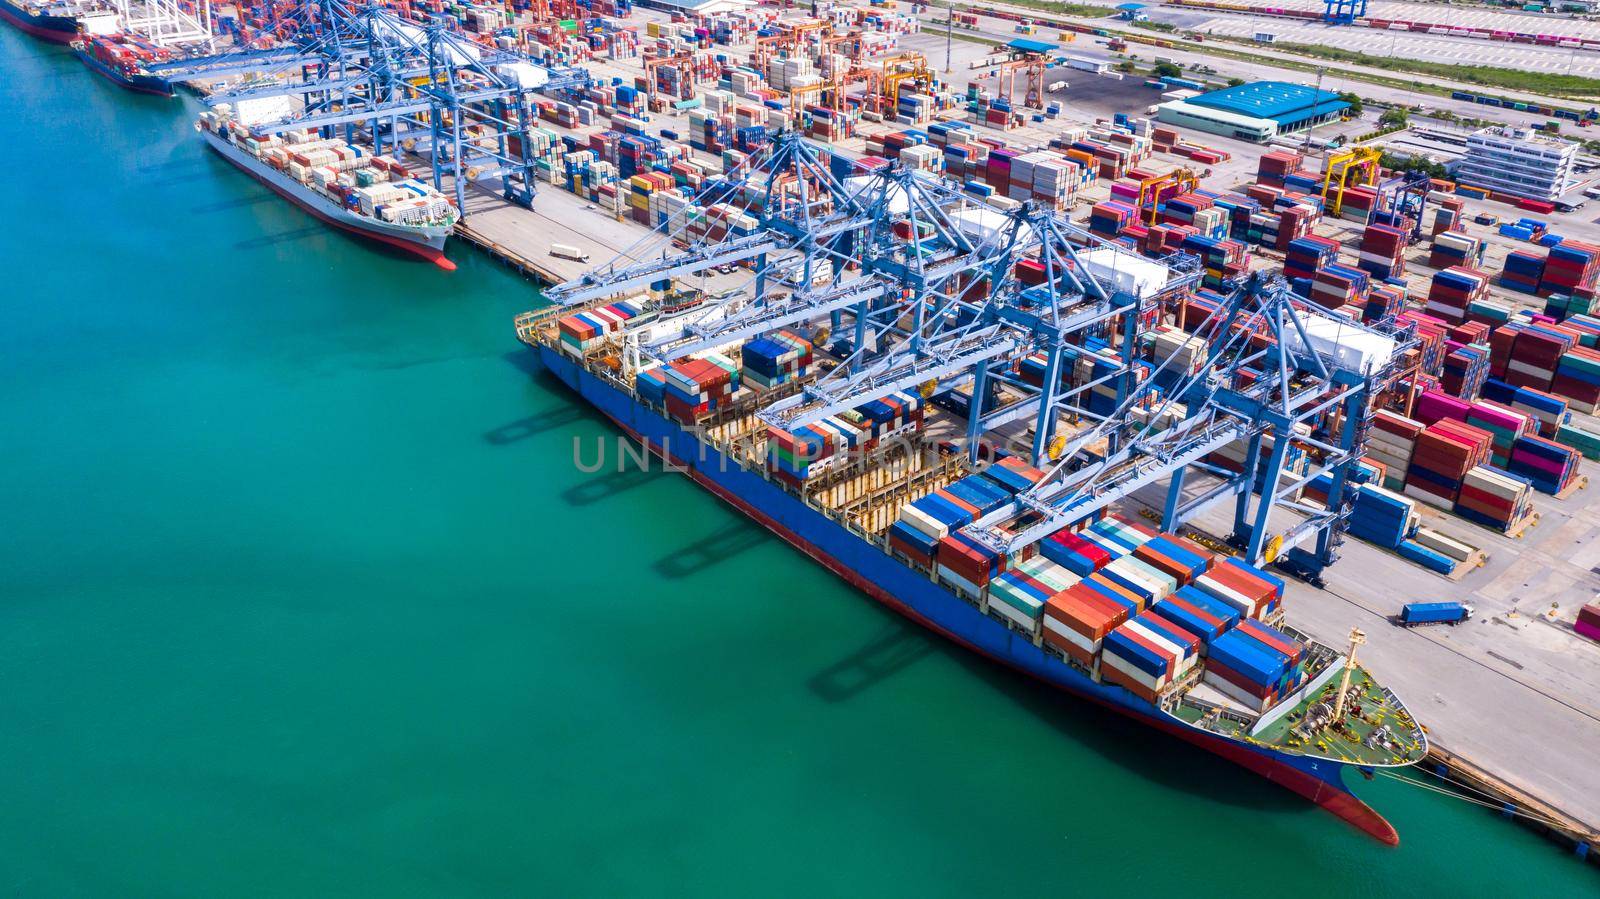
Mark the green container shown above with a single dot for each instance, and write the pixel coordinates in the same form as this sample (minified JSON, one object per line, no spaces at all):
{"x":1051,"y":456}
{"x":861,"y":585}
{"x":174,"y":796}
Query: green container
{"x":1585,"y":442}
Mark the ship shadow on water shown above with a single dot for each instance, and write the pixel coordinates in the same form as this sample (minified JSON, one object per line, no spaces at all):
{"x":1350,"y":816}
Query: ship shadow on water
{"x":713,"y":549}
{"x":1157,"y":757}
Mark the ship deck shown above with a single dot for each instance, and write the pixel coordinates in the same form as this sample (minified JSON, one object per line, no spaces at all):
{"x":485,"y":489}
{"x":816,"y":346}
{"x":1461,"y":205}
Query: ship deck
{"x":867,"y":497}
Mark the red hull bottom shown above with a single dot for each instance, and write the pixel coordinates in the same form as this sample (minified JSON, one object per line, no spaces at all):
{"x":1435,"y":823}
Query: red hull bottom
{"x":49,"y":34}
{"x":437,"y":257}
{"x":1340,"y":802}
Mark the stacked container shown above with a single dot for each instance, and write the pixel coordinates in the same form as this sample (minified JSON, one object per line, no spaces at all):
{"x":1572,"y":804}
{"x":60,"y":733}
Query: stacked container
{"x":1175,"y":557}
{"x":1382,"y":517}
{"x":1466,"y":368}
{"x":1494,"y":498}
{"x":966,"y":565}
{"x":1527,"y":355}
{"x":1588,"y":623}
{"x":1548,"y":465}
{"x":1254,"y":665}
{"x":1248,"y":590}
{"x":1147,"y":654}
{"x":1523,"y":271}
{"x":1571,"y":268}
{"x":1577,"y":378}
{"x":1274,"y":166}
{"x":1076,"y":621}
{"x":1140,"y":578}
{"x":1445,"y":451}
{"x":1453,"y":291}
{"x":1303,"y":256}
{"x":1076,"y":553}
{"x":696,"y":387}
{"x":775,"y":359}
{"x":1198,"y":612}
{"x":1020,"y":594}
{"x":584,"y":331}
{"x":1382,"y":253}
{"x":1453,"y":248}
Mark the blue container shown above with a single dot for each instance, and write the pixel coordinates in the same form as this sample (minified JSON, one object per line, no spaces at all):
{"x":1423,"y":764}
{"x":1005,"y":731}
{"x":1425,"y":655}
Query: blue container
{"x":1118,"y":643}
{"x":1426,"y":557}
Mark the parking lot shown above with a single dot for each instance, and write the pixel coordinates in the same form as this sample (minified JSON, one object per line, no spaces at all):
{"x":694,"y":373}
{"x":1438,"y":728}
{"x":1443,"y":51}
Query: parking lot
{"x":1434,"y":48}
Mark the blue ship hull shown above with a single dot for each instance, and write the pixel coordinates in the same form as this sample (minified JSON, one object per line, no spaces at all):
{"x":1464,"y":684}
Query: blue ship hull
{"x":59,"y":29}
{"x":914,"y":595}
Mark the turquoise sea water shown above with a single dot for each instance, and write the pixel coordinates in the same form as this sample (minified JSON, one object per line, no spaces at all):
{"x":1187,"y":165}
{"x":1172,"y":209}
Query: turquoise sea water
{"x":300,"y":594}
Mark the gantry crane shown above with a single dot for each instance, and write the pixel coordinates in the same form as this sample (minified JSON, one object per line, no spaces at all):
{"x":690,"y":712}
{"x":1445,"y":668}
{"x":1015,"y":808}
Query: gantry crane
{"x":1345,"y":167}
{"x":1150,"y":190}
{"x":925,"y":293}
{"x":371,"y":75}
{"x":1031,"y":65}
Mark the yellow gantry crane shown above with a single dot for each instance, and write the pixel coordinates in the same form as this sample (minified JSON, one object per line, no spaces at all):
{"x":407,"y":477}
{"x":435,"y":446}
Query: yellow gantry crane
{"x":898,"y":69}
{"x":1150,"y":189}
{"x":1357,"y":166}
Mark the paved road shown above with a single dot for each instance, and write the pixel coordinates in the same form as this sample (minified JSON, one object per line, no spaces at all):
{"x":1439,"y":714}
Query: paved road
{"x":1335,"y":79}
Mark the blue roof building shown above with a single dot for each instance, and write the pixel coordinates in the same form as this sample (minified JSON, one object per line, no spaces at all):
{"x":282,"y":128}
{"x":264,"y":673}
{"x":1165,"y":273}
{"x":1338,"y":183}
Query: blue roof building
{"x":1258,"y":111}
{"x":1292,"y":106}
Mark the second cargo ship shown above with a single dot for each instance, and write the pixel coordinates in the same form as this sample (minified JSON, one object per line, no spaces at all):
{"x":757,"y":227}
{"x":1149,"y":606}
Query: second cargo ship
{"x":122,"y":59}
{"x":59,"y":21}
{"x":345,"y":185}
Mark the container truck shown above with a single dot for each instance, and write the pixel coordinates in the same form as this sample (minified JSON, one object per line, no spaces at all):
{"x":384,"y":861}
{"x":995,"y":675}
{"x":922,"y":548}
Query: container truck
{"x":565,"y":251}
{"x":1418,"y":614}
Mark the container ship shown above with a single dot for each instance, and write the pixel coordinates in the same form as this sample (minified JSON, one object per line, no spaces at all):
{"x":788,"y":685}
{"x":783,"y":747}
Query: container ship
{"x":343,"y":184}
{"x":122,"y":58}
{"x":1182,"y":636}
{"x":58,"y":21}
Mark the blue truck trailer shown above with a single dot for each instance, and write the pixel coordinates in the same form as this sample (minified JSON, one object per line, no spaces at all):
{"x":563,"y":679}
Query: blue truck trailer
{"x":1417,"y":614}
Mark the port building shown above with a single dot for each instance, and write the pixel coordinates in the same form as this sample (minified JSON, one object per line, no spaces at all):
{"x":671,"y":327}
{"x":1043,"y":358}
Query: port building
{"x":1519,"y":162}
{"x":1257,"y":111}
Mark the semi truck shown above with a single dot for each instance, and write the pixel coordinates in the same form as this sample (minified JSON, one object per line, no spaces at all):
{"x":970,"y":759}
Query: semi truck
{"x":1418,"y":614}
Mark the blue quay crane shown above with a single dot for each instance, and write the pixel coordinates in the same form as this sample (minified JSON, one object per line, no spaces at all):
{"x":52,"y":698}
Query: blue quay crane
{"x":924,"y":288}
{"x":367,"y":73}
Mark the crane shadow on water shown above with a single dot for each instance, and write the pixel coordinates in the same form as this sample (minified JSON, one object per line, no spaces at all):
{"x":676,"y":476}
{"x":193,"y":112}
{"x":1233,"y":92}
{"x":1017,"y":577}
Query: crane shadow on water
{"x":282,"y":237}
{"x":895,"y":648}
{"x":717,"y":547}
{"x":237,"y":203}
{"x":605,"y":486}
{"x":534,"y":425}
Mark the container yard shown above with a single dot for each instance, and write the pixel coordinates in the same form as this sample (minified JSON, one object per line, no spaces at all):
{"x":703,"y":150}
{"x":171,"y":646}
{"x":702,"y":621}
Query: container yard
{"x":1160,"y":390}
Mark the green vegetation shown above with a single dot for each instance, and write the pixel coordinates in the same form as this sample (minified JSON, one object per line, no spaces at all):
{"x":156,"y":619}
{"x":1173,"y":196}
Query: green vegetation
{"x":1162,"y":27}
{"x":1235,"y":82}
{"x":1394,"y":118}
{"x":1490,"y":76}
{"x":1412,"y":164}
{"x":1166,"y":70}
{"x":1126,"y":66}
{"x":1354,"y":99}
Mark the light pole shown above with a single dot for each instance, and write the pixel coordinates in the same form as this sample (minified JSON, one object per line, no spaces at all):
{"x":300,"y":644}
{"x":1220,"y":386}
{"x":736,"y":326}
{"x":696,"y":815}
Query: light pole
{"x":949,"y":30}
{"x":1316,"y":99}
